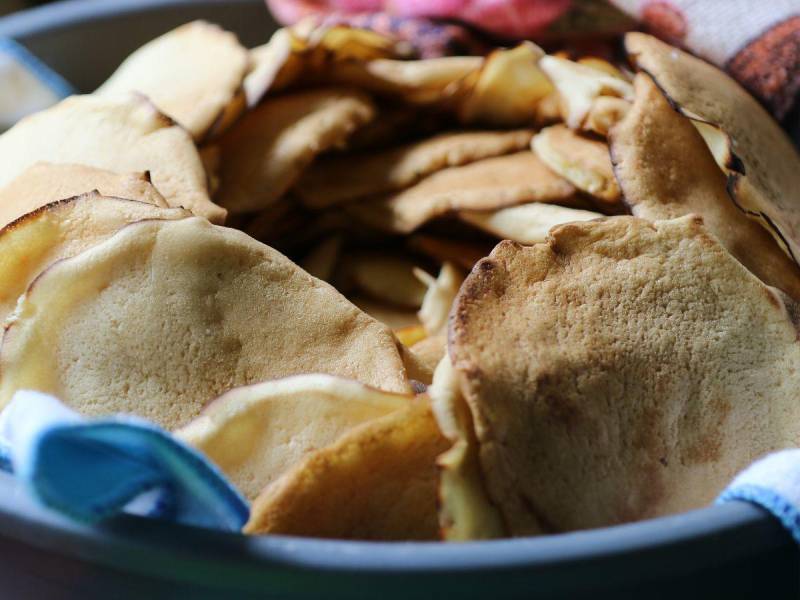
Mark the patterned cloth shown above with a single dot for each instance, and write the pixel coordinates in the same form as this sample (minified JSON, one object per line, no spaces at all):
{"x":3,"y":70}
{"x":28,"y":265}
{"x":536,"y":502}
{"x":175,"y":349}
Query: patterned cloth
{"x":756,"y":41}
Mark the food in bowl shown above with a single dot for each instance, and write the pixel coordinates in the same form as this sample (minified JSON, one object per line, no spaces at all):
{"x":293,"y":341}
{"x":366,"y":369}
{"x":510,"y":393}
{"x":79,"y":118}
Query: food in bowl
{"x":455,"y":298}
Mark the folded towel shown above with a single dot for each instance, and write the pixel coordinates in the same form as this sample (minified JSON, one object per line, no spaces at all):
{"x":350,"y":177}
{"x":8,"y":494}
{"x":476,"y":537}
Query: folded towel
{"x":773,"y":483}
{"x":94,"y":469}
{"x":26,"y":84}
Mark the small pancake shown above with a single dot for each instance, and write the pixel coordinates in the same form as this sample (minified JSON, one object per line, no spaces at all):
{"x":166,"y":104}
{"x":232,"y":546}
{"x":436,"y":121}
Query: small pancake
{"x":273,"y":67}
{"x":270,"y":147}
{"x":605,"y":112}
{"x":377,"y":482}
{"x":442,"y":291}
{"x":584,"y":162}
{"x":166,"y":315}
{"x":256,"y":433}
{"x":762,"y":164}
{"x":487,"y":184}
{"x":666,"y":170}
{"x":465,"y":511}
{"x":506,"y":90}
{"x":580,"y":85}
{"x":193,"y":74}
{"x":525,"y":224}
{"x":643,"y":367}
{"x":62,"y":229}
{"x":44,"y":183}
{"x":333,"y":180}
{"x":428,"y":81}
{"x":118,"y":134}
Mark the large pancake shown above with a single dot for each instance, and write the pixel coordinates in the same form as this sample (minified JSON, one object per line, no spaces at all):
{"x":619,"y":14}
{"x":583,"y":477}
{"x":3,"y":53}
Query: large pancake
{"x":334,"y":180}
{"x":44,"y":183}
{"x":643,"y":367}
{"x":118,"y":134}
{"x":762,"y":164}
{"x":61,"y":229}
{"x":193,"y":73}
{"x":166,"y":315}
{"x":377,"y":482}
{"x":666,"y":170}
{"x":255,"y":433}
{"x":269,"y":148}
{"x":487,"y":184}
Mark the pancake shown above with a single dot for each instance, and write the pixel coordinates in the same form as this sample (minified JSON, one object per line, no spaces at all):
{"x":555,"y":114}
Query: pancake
{"x":166,"y":315}
{"x":762,"y":164}
{"x":442,"y":291}
{"x":506,"y":90}
{"x":465,"y":511}
{"x":193,"y":73}
{"x":643,"y":367}
{"x":582,"y":161}
{"x":666,"y":170}
{"x":256,"y":433}
{"x":269,"y":148}
{"x":527,"y":223}
{"x":580,"y":85}
{"x":118,"y":134}
{"x":377,"y":482}
{"x":333,"y":180}
{"x":62,"y":229}
{"x":44,"y":183}
{"x":487,"y":184}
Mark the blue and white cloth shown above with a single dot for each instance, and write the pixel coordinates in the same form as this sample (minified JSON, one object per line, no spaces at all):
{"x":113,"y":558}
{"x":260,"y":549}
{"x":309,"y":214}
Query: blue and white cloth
{"x":26,"y":84}
{"x":93,"y":469}
{"x":772,"y":483}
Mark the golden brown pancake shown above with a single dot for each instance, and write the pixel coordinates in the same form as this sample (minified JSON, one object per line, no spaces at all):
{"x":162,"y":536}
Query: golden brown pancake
{"x":762,"y":164}
{"x":166,"y":315}
{"x":377,"y":482}
{"x":643,"y":367}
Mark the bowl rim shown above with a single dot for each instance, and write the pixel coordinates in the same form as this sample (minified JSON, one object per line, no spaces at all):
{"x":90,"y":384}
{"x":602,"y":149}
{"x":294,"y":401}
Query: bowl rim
{"x":694,"y":532}
{"x":706,"y":536}
{"x":63,"y":14}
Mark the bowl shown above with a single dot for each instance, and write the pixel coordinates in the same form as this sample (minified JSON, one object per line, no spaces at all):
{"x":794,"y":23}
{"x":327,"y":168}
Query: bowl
{"x":735,"y":549}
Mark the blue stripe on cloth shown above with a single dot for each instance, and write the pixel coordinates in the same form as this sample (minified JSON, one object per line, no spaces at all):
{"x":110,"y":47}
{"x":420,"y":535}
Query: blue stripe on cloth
{"x":93,"y":469}
{"x":782,"y":508}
